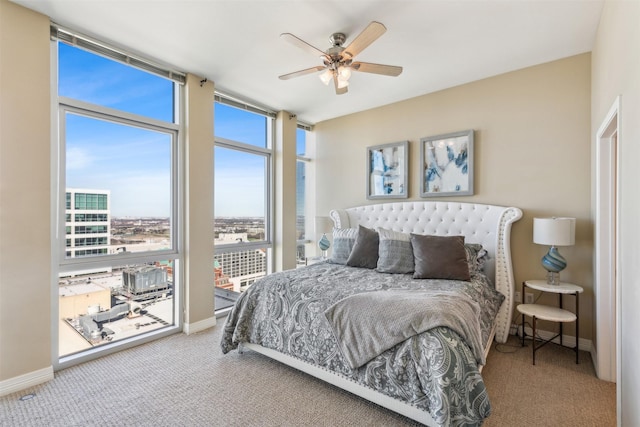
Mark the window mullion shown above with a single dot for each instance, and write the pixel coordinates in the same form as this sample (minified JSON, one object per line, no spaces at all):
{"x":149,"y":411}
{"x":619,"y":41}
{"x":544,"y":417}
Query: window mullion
{"x":110,"y":114}
{"x":240,"y":146}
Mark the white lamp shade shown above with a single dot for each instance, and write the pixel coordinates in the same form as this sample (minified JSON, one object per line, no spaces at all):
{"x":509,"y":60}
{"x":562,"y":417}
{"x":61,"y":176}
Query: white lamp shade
{"x":326,"y":76}
{"x":323,"y":224}
{"x":344,"y":72}
{"x":554,"y":231}
{"x":342,"y":83}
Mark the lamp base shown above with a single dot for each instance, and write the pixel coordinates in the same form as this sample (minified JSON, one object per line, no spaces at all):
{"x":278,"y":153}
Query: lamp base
{"x":554,"y":263}
{"x":553,"y":278}
{"x":324,"y":244}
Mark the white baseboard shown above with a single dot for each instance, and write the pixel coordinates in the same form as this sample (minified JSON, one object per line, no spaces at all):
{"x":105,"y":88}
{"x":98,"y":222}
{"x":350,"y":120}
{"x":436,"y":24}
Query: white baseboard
{"x":567,"y":340}
{"x":513,"y":329}
{"x":27,"y":380}
{"x":192,"y":328}
{"x":594,"y":358}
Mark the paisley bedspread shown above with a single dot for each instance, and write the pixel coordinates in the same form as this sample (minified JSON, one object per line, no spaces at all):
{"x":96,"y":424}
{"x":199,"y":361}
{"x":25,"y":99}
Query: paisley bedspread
{"x":434,"y":370}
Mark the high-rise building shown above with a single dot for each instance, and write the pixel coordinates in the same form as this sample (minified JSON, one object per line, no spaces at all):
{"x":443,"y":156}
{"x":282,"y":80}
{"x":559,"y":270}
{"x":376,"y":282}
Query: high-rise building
{"x":88,"y":222}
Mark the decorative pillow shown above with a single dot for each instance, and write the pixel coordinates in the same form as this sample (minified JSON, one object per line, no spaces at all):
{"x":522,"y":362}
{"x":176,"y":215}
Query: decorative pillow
{"x":476,"y":257}
{"x":439,"y":257}
{"x":394,"y":252}
{"x":343,"y":241}
{"x":365,"y":249}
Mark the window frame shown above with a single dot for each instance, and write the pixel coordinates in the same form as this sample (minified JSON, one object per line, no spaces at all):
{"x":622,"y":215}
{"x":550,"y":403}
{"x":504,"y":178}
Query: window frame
{"x":60,"y":106}
{"x":267,"y":153}
{"x":268,"y":173}
{"x":81,"y":108}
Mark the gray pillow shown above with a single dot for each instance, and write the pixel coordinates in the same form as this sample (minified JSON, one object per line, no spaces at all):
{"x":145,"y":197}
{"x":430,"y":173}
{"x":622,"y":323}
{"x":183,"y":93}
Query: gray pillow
{"x":343,"y":241}
{"x":439,"y":257}
{"x":395,"y":254}
{"x":365,"y":249}
{"x":476,"y":257}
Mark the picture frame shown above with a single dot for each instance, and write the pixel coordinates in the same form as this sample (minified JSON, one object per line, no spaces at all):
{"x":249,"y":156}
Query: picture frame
{"x":388,"y":171}
{"x":446,"y":164}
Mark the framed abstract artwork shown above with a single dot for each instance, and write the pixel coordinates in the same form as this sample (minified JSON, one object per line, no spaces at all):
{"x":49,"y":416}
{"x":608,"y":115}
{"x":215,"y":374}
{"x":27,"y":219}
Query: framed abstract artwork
{"x":446,"y":165}
{"x":387,"y":171}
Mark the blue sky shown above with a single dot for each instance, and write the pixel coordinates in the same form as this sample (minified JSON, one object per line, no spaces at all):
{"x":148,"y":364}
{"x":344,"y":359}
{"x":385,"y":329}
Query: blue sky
{"x":133,"y":163}
{"x":239,"y":183}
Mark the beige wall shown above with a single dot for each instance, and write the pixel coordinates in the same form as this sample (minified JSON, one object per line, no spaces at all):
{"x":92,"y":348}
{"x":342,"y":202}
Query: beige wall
{"x":198,"y":204}
{"x":616,"y":71}
{"x":25,"y":246}
{"x":284,"y":197}
{"x":532,"y":150}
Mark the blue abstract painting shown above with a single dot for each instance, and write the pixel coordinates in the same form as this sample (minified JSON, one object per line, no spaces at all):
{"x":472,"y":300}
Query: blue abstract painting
{"x":387,"y":171}
{"x":447,"y":165}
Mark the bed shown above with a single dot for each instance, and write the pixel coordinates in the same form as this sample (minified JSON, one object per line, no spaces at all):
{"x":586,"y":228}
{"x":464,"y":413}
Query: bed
{"x":340,"y":320}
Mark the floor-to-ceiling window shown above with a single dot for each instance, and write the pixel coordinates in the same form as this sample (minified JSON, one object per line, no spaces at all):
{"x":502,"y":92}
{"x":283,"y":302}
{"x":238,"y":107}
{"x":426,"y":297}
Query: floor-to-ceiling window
{"x":242,"y":197}
{"x":303,"y":163}
{"x":117,"y":178}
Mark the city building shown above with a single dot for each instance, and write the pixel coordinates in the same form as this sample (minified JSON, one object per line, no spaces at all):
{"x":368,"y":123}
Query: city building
{"x":241,"y":268}
{"x":88,"y":222}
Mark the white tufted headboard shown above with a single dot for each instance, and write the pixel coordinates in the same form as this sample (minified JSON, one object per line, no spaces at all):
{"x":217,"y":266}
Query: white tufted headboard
{"x":488,"y":225}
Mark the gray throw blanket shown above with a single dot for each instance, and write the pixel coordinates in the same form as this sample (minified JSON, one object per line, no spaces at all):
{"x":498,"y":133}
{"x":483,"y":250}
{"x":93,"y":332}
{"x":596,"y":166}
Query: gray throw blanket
{"x":365,"y":325}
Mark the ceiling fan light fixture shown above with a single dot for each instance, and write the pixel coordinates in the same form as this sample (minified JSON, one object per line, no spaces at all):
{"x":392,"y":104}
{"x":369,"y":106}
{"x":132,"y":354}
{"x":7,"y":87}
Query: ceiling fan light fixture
{"x":342,"y":83}
{"x":344,"y":73}
{"x":326,"y":76}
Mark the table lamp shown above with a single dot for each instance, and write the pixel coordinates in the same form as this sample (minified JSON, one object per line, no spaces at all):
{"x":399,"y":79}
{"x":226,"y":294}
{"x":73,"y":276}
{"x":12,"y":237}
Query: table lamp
{"x":554,"y":232}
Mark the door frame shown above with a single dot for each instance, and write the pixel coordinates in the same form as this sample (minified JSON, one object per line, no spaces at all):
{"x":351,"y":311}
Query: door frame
{"x":607,"y":247}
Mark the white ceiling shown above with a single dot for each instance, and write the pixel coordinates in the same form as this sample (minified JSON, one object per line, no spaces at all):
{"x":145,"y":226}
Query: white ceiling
{"x":236,"y":43}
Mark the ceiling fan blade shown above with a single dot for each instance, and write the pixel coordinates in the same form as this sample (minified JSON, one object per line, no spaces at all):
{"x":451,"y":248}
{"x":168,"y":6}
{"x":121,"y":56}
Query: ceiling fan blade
{"x":368,"y":67}
{"x":339,"y":90}
{"x":303,"y":45}
{"x":365,"y":38}
{"x":301,"y":72}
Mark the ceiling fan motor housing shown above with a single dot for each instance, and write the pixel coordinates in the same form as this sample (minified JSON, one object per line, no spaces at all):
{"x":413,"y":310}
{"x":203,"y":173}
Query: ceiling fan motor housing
{"x":337,"y":39}
{"x":336,"y":52}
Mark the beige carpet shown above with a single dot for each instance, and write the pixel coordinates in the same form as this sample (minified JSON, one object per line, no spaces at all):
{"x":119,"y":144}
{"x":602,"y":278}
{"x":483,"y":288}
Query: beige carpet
{"x":554,"y":392}
{"x":186,"y":381}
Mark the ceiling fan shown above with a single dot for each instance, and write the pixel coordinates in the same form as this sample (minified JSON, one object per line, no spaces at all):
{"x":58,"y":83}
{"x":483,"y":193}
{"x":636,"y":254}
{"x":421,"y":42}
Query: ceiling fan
{"x":338,"y":60}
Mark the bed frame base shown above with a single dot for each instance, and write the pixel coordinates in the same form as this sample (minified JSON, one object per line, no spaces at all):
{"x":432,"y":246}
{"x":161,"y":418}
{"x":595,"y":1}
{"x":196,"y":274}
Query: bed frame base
{"x":343,"y":383}
{"x":346,"y":384}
